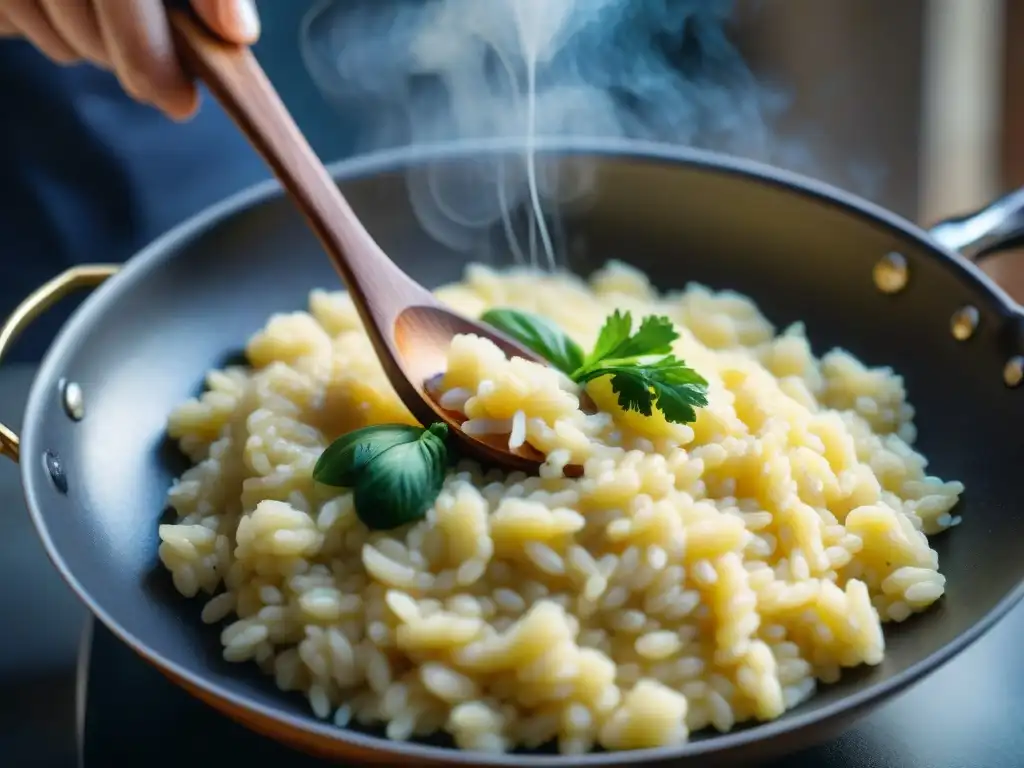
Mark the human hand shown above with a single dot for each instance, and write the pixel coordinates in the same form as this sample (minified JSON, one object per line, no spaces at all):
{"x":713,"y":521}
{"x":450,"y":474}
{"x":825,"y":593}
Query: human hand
{"x":130,"y":37}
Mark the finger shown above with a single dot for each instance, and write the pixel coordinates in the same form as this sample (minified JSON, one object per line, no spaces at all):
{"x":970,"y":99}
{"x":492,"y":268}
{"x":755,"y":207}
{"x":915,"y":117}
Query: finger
{"x":75,"y":21}
{"x":138,"y":40}
{"x":7,"y":28}
{"x":237,"y":21}
{"x":27,"y":17}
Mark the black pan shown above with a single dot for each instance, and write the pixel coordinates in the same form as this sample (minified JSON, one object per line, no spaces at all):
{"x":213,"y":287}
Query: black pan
{"x":96,"y":466}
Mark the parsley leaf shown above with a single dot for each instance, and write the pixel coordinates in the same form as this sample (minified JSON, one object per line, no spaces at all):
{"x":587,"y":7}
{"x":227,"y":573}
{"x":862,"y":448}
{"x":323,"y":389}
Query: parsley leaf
{"x":538,"y":334}
{"x":615,"y":330}
{"x":645,"y":382}
{"x":644,"y":372}
{"x":617,"y":340}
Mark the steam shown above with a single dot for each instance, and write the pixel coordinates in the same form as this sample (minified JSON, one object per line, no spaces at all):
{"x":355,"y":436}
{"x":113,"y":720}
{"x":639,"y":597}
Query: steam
{"x":427,"y":71}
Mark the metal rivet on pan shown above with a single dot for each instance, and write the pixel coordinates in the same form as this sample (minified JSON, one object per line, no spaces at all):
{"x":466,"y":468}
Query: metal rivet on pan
{"x":55,"y":467}
{"x":891,"y":273}
{"x":72,"y":399}
{"x":964,"y":322}
{"x":1013,"y":371}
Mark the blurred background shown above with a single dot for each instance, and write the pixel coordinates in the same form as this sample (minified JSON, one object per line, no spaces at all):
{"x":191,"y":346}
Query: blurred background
{"x":915,"y":104}
{"x":912,"y":104}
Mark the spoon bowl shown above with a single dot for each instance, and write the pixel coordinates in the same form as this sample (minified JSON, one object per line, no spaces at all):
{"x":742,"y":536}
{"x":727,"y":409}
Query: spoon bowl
{"x":411,"y":330}
{"x":421,"y":337}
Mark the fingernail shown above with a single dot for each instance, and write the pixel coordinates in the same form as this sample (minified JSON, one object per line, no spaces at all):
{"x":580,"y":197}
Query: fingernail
{"x":246,"y":19}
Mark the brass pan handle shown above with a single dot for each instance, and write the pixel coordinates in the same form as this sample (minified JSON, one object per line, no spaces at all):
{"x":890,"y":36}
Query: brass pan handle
{"x":63,"y":285}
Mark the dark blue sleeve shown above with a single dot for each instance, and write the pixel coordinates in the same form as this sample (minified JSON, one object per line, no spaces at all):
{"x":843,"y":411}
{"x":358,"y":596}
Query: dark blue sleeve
{"x":87,"y":175}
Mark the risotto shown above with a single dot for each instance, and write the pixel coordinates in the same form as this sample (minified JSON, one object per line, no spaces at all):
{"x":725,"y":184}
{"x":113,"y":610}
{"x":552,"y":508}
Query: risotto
{"x":695,"y":575}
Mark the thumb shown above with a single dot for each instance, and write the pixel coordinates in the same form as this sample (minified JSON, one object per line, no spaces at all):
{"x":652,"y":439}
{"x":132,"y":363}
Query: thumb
{"x":235,"y":20}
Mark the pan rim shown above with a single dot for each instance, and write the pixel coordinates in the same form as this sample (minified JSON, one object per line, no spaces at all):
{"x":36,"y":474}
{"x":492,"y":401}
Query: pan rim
{"x":35,"y":478}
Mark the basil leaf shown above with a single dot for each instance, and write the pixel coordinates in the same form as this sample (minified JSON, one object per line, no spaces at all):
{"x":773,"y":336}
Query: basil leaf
{"x":345,"y":459}
{"x":401,"y":484}
{"x":439,"y":430}
{"x":538,"y":334}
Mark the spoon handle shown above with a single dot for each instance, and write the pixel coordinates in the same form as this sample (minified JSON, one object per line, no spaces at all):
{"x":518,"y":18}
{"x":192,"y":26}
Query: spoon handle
{"x":378,"y":287}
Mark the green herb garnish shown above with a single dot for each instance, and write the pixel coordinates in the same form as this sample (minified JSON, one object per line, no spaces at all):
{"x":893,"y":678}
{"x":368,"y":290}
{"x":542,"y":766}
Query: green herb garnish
{"x":644,"y":372}
{"x":538,"y":334}
{"x":345,"y":459}
{"x":395,"y":471}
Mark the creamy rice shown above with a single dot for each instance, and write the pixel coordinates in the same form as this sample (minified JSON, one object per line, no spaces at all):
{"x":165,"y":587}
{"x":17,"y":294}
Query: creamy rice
{"x":696,"y":576}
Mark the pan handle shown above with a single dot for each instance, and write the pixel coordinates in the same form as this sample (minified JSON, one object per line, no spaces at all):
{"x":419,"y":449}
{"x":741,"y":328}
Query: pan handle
{"x":999,"y":226}
{"x":44,"y":297}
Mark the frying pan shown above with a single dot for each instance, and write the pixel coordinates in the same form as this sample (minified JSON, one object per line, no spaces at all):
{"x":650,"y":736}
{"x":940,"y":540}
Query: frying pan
{"x":96,"y":465}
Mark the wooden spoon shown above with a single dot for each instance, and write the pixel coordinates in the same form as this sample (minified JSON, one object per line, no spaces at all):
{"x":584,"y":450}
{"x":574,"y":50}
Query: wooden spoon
{"x":410,"y":329}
